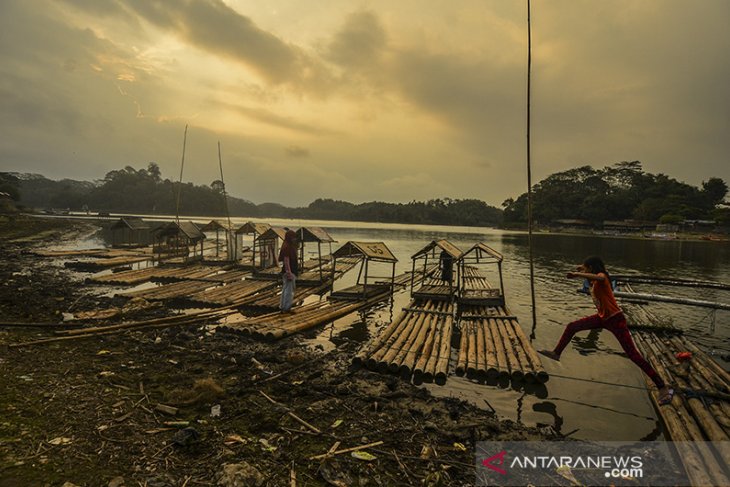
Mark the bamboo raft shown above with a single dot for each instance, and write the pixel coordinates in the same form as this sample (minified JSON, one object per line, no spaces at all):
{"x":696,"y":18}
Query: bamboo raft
{"x":700,"y":410}
{"x":160,"y":274}
{"x":232,"y":294}
{"x":106,"y":263}
{"x":277,"y":325}
{"x":177,"y":290}
{"x":98,"y":253}
{"x":416,"y":343}
{"x":492,"y":345}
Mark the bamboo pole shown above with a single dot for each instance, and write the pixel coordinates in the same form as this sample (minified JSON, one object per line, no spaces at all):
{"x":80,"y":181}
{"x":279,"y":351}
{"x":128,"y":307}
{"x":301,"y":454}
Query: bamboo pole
{"x":526,"y":370}
{"x":462,"y":361}
{"x":471,"y":368}
{"x":515,"y":367}
{"x":411,"y":352}
{"x":415,"y":332}
{"x":378,"y":341}
{"x":442,"y":364}
{"x":482,"y":344}
{"x":419,"y":370}
{"x":502,"y":363}
{"x":535,"y":362}
{"x":430,"y":367}
{"x":390,"y":354}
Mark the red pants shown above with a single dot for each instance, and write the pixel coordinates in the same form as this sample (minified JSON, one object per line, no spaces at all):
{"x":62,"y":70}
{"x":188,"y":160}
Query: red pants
{"x":616,"y":325}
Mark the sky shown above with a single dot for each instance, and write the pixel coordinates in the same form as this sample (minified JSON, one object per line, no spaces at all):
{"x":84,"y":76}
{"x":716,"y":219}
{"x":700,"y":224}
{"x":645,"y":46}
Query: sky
{"x":363,"y":100}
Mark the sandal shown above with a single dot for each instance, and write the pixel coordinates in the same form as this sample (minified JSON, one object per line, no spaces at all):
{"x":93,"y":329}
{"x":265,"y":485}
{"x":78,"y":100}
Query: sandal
{"x":666,"y":398}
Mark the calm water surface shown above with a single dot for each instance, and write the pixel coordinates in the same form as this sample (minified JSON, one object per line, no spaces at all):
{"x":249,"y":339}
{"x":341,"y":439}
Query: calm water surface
{"x":588,"y":410}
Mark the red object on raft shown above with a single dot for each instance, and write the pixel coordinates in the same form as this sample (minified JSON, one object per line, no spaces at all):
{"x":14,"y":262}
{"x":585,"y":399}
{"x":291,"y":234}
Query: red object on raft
{"x":683,"y":356}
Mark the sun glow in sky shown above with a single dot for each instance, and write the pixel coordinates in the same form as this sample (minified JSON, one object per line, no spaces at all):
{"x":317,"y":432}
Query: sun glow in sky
{"x":362,"y":101}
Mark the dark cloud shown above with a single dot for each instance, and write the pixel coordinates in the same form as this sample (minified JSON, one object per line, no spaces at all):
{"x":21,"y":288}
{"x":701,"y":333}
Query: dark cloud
{"x":217,"y":28}
{"x":360,"y":42}
{"x":297,"y":151}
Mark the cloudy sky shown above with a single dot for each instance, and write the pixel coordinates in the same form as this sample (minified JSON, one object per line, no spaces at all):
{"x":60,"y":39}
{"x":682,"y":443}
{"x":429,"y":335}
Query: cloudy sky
{"x":363,"y":100}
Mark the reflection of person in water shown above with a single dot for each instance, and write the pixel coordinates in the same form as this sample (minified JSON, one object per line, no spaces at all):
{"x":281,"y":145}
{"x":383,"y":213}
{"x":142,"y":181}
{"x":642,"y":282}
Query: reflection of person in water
{"x":610,"y":317}
{"x":447,"y":266}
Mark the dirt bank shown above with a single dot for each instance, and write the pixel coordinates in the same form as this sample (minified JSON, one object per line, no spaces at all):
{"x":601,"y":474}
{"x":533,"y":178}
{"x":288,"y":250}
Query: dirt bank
{"x":113,"y":410}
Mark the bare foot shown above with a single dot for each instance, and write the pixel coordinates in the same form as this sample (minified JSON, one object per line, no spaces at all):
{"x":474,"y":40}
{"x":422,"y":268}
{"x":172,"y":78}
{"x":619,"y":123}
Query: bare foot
{"x":550,"y":354}
{"x":665,"y":395}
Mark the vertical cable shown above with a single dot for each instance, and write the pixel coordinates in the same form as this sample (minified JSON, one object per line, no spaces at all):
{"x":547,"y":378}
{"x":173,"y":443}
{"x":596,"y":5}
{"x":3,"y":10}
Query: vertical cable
{"x":529,"y":173}
{"x":179,"y":183}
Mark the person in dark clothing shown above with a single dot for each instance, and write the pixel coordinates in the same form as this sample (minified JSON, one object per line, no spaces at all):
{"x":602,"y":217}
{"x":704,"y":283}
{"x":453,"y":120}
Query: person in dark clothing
{"x":447,"y":266}
{"x":289,"y":270}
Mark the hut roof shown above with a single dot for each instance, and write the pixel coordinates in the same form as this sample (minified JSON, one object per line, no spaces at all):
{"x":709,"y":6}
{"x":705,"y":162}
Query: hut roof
{"x":370,"y":250}
{"x":188,"y":229}
{"x":443,"y":244}
{"x":130,"y":222}
{"x":314,"y":234}
{"x":481,"y":248}
{"x":273,"y":233}
{"x":214,"y":225}
{"x":252,"y":227}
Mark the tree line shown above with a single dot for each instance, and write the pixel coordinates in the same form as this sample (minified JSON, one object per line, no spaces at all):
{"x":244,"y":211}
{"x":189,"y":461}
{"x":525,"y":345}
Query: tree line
{"x":144,"y":191}
{"x":619,"y":192}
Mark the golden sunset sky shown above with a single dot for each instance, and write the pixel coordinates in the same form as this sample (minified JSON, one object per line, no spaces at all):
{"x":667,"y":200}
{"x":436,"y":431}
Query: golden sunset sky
{"x":363,"y":100}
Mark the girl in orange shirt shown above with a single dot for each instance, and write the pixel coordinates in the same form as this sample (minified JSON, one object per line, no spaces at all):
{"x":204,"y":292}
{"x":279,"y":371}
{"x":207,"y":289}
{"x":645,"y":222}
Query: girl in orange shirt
{"x":610,"y":317}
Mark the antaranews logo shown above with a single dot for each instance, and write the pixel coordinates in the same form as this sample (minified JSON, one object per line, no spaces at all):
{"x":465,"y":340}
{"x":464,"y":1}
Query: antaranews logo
{"x":488,"y":462}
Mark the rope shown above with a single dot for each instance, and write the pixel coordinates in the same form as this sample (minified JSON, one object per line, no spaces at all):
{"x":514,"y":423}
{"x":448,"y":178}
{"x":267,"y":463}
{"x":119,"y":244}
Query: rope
{"x":596,"y":381}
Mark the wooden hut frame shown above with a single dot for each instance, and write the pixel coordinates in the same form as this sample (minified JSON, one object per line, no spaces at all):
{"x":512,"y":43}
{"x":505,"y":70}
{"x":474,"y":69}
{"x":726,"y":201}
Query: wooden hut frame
{"x":314,"y":234}
{"x":134,"y":232}
{"x":255,"y":230}
{"x":433,"y":291}
{"x":217,"y":226}
{"x":267,"y":247}
{"x":366,"y":252}
{"x":177,"y":238}
{"x":480,"y":253}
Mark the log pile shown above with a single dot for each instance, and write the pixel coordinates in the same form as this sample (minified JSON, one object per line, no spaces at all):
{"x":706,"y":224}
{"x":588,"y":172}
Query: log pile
{"x":700,"y":409}
{"x":417,"y":343}
{"x":493,"y":345}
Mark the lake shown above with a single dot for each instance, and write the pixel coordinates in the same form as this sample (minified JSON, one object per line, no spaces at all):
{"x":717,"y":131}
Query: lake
{"x":620,"y":410}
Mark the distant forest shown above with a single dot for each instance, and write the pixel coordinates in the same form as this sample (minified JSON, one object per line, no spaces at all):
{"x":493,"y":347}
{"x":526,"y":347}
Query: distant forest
{"x":144,"y":191}
{"x":619,"y":192}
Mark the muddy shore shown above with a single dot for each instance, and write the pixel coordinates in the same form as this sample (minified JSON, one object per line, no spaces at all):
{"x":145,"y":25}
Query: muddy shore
{"x":186,"y":406}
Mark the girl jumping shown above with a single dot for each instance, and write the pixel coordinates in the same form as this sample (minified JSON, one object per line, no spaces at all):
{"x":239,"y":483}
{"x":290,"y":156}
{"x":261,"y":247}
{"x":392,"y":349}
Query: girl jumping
{"x":610,"y":317}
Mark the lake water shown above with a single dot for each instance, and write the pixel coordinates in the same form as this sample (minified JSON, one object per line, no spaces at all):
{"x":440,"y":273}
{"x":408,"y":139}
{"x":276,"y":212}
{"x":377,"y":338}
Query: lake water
{"x":589,"y":410}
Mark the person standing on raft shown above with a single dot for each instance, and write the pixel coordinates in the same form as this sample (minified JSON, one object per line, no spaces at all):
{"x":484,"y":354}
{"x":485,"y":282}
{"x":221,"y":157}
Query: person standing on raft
{"x":611,"y":318}
{"x":289,"y":270}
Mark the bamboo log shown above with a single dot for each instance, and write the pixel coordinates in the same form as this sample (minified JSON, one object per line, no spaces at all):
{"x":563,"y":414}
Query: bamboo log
{"x":525,"y":370}
{"x":535,"y":362}
{"x":515,"y":367}
{"x":644,"y":297}
{"x":463,"y":351}
{"x":489,"y":350}
{"x":415,"y":332}
{"x":502,"y":363}
{"x":378,"y":341}
{"x":444,"y":352}
{"x":385,"y":361}
{"x":670,"y":282}
{"x":471,"y":367}
{"x":411,"y":355}
{"x":388,"y":343}
{"x":430,"y":368}
{"x":714,"y":366}
{"x":419,"y":371}
{"x":481,"y":366}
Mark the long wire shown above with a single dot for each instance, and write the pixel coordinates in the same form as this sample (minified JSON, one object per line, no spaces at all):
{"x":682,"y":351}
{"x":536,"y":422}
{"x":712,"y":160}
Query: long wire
{"x":223,"y":183}
{"x":529,"y":174}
